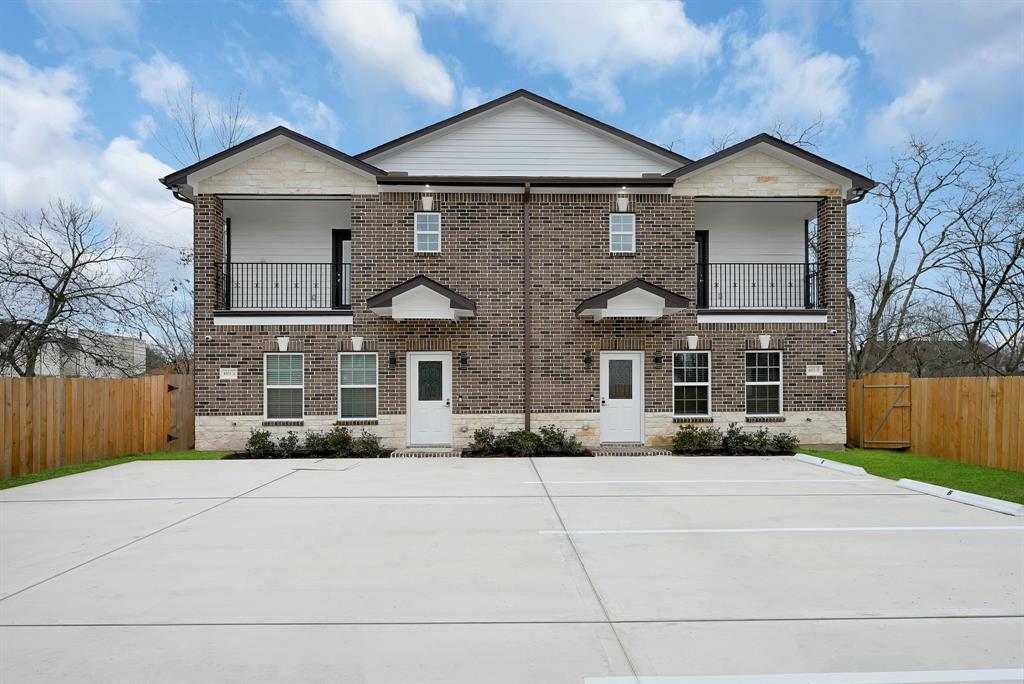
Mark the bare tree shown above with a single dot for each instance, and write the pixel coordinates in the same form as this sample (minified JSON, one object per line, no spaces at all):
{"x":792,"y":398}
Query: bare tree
{"x":930,"y":195}
{"x":805,"y":136}
{"x":170,"y":324}
{"x":61,"y":272}
{"x":200,"y":126}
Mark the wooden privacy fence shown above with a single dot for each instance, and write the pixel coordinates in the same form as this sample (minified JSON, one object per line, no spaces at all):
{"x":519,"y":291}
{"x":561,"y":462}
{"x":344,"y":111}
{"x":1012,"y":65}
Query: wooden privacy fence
{"x":52,"y":422}
{"x":971,"y":420}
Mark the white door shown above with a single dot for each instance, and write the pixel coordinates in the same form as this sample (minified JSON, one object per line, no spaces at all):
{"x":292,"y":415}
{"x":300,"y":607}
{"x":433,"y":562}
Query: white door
{"x":429,"y":390}
{"x":622,"y":397}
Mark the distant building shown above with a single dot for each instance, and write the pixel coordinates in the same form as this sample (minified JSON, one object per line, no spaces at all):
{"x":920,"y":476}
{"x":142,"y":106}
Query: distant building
{"x":92,"y":355}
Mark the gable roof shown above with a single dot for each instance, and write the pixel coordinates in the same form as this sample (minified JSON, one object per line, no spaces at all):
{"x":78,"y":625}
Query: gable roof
{"x":384,"y":299}
{"x":859,"y":181}
{"x":180,"y":176}
{"x":600,"y":301}
{"x":522,"y":94}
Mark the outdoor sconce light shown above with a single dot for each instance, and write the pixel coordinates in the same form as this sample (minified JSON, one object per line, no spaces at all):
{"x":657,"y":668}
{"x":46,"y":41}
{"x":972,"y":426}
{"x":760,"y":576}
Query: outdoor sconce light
{"x":427,"y":199}
{"x":658,"y":358}
{"x":392,"y":359}
{"x":622,"y":200}
{"x":588,"y":359}
{"x":463,"y":359}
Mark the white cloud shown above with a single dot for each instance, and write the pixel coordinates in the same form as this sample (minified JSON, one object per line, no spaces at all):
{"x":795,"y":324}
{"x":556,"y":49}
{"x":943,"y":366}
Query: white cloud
{"x":378,"y":40}
{"x":596,"y":44}
{"x":48,"y":149}
{"x":158,"y":79}
{"x":774,"y":78}
{"x":314,"y":118}
{"x":950,"y":63}
{"x":95,"y":21}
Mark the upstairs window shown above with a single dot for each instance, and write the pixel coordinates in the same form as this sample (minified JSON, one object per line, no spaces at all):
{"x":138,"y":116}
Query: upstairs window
{"x":764,"y":383}
{"x":282,"y":378}
{"x":428,"y":232}
{"x":622,"y":233}
{"x":691,"y":384}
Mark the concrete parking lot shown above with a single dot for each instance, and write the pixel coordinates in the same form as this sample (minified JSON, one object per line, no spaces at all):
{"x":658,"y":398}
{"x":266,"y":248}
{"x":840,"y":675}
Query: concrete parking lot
{"x":600,"y":571}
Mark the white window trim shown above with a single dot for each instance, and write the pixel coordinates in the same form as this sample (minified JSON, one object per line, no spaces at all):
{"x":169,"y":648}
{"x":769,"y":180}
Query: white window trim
{"x":632,"y":233}
{"x":416,"y":232}
{"x":690,"y":384}
{"x":269,"y":387}
{"x":376,"y":386}
{"x":767,"y":382}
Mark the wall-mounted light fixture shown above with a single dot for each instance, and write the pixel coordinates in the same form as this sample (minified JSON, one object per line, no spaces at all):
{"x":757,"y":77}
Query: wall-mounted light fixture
{"x":658,"y":358}
{"x":427,"y":199}
{"x":463,"y":359}
{"x":622,"y":200}
{"x":588,"y":359}
{"x":392,"y":359}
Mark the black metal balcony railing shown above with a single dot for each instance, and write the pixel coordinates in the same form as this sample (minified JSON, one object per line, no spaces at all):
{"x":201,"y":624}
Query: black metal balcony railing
{"x":757,"y":286}
{"x":296,"y":286}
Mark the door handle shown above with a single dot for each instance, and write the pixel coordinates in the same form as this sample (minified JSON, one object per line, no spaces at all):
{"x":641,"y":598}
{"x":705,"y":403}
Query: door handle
{"x":602,"y":401}
{"x":447,"y":402}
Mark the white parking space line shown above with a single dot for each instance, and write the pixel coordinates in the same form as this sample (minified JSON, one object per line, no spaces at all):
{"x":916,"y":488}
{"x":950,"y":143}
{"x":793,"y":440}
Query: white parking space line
{"x":1010,"y":674}
{"x":593,"y":482}
{"x":774,"y":530}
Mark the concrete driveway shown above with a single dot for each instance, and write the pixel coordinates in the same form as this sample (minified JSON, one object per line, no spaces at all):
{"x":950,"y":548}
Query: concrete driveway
{"x":605,"y":571}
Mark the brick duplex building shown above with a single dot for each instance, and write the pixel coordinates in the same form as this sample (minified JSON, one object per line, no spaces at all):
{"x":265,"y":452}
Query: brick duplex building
{"x":518,"y":265}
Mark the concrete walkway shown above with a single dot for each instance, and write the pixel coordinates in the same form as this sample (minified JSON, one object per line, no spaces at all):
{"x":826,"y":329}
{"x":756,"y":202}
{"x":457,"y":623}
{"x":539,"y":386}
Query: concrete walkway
{"x":658,"y":570}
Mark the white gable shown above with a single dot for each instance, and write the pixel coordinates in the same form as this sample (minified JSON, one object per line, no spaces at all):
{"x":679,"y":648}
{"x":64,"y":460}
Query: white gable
{"x":521,"y":138}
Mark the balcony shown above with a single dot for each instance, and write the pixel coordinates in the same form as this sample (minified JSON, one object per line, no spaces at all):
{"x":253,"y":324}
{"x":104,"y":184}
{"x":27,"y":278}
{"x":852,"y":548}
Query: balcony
{"x":262,"y":286}
{"x":758,"y":286}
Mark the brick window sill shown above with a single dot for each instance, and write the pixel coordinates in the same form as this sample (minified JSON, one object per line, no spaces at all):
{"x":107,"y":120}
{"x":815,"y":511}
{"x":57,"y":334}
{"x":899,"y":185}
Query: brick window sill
{"x":692,"y":419}
{"x":766,"y":419}
{"x":282,"y":423}
{"x":368,"y":421}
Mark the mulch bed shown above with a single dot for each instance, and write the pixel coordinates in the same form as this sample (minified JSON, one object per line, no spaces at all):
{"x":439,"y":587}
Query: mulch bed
{"x":245,"y":455}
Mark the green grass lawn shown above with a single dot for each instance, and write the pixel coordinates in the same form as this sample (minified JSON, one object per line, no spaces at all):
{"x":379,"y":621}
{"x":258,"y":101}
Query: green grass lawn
{"x":1000,"y":484}
{"x":93,"y":465}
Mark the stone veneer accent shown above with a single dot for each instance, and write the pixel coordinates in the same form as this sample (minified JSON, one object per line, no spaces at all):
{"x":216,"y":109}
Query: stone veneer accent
{"x":810,"y":427}
{"x":291,"y":170}
{"x":482,"y":259}
{"x":755,"y":174}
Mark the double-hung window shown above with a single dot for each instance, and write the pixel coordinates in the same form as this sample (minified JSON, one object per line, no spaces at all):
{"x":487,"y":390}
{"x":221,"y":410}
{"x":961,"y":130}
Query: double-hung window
{"x":691,"y":383}
{"x":622,"y":233}
{"x":764,"y":383}
{"x":282,"y":381}
{"x":357,"y":386}
{"x":427,"y":231}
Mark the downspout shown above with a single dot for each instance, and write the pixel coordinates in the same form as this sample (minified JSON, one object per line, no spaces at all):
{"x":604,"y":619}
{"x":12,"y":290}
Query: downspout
{"x":526,"y":306}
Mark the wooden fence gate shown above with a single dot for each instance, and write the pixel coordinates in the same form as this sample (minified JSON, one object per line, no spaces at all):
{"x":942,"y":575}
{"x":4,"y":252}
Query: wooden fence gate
{"x":52,"y":422}
{"x":885,"y":411}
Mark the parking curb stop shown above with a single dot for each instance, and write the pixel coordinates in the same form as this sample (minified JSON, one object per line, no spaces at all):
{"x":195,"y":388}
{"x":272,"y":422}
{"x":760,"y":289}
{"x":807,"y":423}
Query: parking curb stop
{"x":834,"y":465}
{"x":987,"y":502}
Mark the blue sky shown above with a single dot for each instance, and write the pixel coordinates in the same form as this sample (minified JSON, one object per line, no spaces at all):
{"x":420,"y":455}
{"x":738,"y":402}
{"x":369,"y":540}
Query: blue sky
{"x":84,"y":85}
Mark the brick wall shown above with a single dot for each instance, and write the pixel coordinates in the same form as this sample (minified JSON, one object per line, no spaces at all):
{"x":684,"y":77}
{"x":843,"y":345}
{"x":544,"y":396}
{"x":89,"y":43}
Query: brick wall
{"x":481,"y":259}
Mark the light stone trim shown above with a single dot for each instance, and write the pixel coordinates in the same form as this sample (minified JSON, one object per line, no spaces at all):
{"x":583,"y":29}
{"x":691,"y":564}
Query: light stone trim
{"x":810,"y":427}
{"x":755,"y":174}
{"x":288,"y":169}
{"x":586,"y":426}
{"x":229,"y":433}
{"x":463,"y":425}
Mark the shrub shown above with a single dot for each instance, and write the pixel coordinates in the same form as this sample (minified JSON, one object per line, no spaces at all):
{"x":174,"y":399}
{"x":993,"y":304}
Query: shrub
{"x":760,"y":441}
{"x":784,"y":443}
{"x":483,"y":441}
{"x":367,"y":445}
{"x":735,"y":441}
{"x":315,"y":442}
{"x":288,"y":446}
{"x":260,"y":444}
{"x":557,"y":440}
{"x":338,"y":442}
{"x":691,"y":439}
{"x":519,"y":443}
